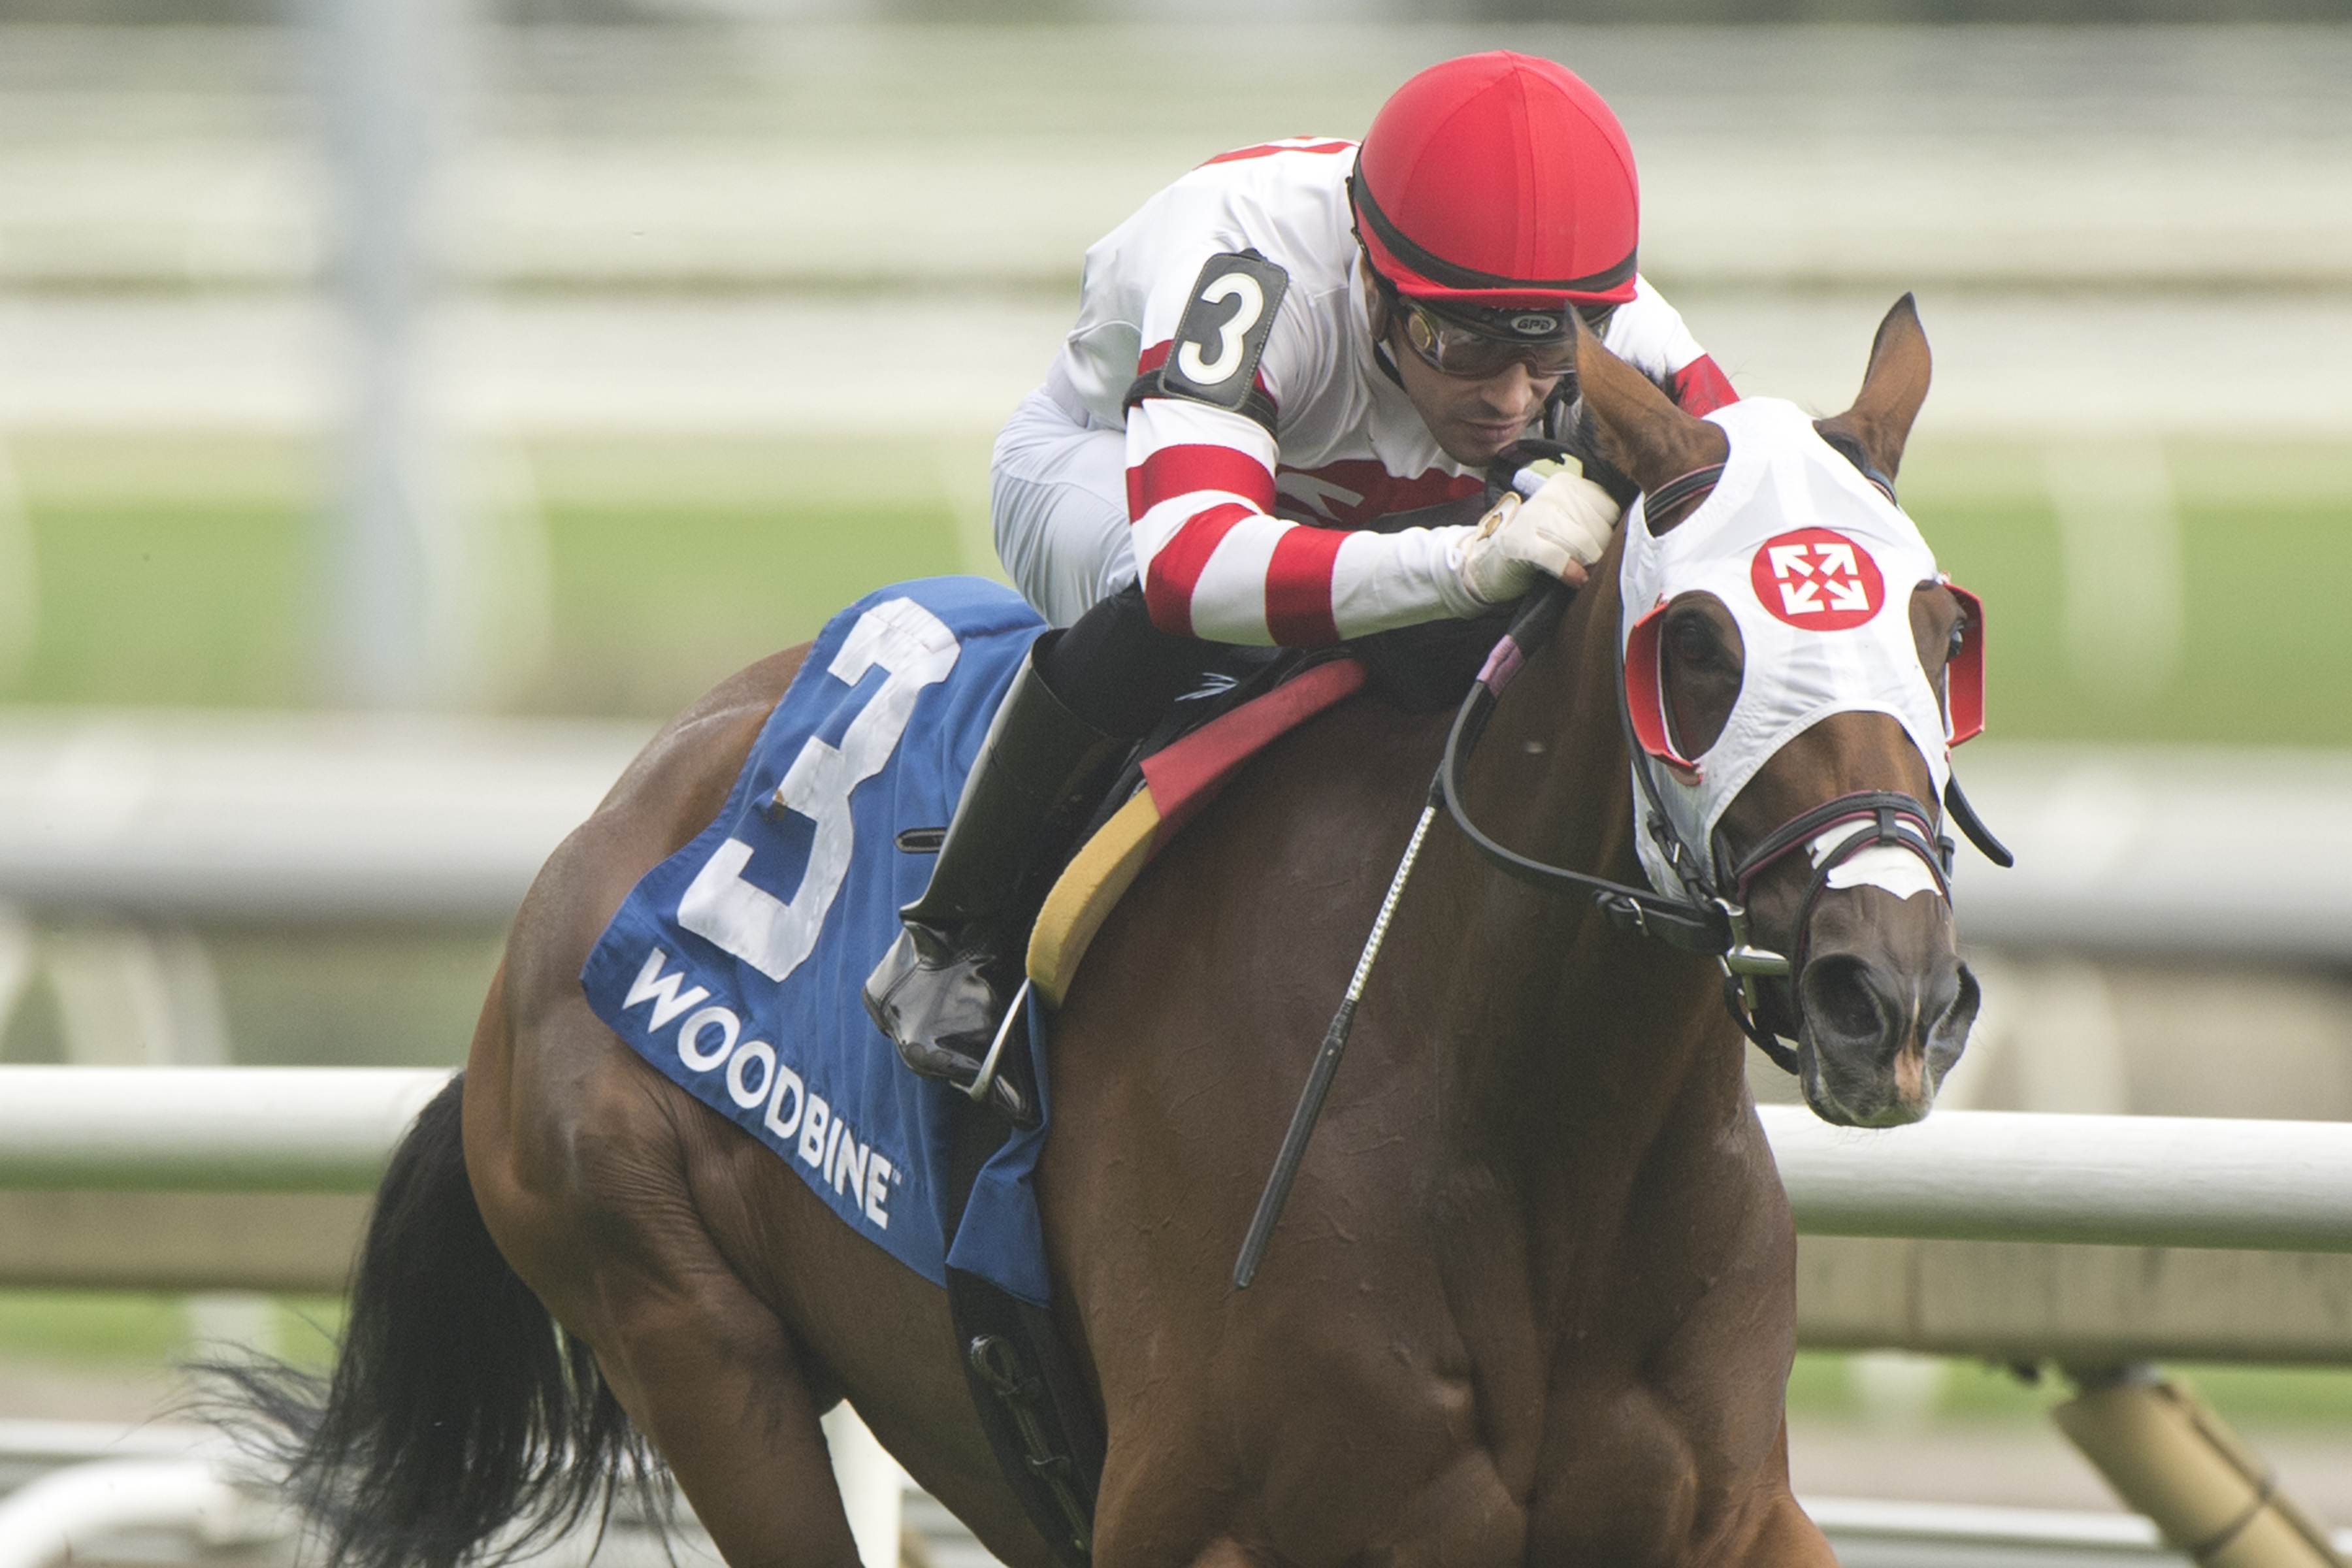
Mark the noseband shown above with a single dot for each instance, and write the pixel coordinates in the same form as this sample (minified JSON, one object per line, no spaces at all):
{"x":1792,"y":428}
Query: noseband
{"x":1879,"y":816}
{"x":1708,"y":922}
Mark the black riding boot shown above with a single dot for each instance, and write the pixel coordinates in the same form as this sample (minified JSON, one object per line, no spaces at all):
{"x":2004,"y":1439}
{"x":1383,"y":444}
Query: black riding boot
{"x":942,"y":990}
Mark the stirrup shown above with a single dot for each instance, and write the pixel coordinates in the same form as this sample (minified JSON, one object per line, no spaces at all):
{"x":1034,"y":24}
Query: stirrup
{"x":995,"y":1082}
{"x":992,"y":1079}
{"x":989,"y":1086}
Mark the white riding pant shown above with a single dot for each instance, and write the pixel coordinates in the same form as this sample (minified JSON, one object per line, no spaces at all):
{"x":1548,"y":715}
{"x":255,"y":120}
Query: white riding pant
{"x":1057,"y":496}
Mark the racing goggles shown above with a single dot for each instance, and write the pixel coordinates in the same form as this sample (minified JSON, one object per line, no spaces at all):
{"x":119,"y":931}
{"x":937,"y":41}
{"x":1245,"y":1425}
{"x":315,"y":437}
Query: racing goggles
{"x":1543,"y":339}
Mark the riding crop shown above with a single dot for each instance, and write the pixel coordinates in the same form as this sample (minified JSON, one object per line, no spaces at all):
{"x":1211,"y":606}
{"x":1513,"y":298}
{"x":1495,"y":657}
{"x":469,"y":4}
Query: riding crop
{"x":1529,"y":630}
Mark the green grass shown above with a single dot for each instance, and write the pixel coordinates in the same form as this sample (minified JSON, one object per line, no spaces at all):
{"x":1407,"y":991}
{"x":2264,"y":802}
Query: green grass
{"x":2265,"y":536}
{"x":160,"y":602}
{"x":2264,"y":600}
{"x":182,"y":572}
{"x":396,"y":997}
{"x":92,"y":1327}
{"x":174,"y":573}
{"x":2264,"y":659}
{"x":653,"y":601}
{"x":328,"y":994}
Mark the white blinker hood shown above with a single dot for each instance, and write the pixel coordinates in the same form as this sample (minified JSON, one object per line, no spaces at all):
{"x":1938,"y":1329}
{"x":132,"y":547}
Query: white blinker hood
{"x":1817,"y":567}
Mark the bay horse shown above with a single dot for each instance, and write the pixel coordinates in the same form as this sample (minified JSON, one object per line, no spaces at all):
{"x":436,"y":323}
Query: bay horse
{"x":1532,"y":1300}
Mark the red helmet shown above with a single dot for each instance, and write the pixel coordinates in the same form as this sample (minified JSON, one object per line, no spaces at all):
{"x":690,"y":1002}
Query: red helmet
{"x":1498,"y":180}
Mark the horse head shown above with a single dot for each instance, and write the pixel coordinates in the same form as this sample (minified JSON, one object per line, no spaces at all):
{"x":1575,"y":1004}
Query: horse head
{"x":1795,"y":671}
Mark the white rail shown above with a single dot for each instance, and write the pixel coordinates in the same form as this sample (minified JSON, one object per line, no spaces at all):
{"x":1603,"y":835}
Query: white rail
{"x":404,"y":817}
{"x":2122,"y":1181}
{"x":59,"y":1517}
{"x":2162,"y":848}
{"x":277,"y":817}
{"x":2119,"y":1181}
{"x":205,"y":1129}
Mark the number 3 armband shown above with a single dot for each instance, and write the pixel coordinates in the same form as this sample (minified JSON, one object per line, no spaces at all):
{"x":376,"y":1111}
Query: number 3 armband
{"x":1214,"y":356}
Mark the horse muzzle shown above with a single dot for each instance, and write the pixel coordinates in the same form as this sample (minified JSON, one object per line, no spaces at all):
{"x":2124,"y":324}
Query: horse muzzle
{"x":1883,"y":1005}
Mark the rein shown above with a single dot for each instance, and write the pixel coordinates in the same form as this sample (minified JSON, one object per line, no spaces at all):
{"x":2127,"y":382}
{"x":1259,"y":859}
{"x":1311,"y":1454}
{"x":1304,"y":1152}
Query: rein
{"x":1712,"y":923}
{"x":1703,"y":928}
{"x":1717,"y":927}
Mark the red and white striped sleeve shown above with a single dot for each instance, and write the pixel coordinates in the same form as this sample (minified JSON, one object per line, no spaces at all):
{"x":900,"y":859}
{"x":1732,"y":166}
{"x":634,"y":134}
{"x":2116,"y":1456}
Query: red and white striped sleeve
{"x":1218,"y":564}
{"x":1701,"y":387}
{"x":1649,"y":334}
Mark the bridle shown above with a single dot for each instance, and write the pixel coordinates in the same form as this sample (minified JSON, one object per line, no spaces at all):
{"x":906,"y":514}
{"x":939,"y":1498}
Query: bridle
{"x":1712,"y":921}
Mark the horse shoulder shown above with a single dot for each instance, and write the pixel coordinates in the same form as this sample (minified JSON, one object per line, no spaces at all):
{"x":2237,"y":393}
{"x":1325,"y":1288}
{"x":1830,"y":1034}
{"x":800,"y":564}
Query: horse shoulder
{"x":1250,"y":911}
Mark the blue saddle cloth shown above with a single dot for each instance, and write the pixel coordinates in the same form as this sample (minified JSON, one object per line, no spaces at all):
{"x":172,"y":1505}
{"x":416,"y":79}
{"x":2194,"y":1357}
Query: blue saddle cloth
{"x":734,"y":965}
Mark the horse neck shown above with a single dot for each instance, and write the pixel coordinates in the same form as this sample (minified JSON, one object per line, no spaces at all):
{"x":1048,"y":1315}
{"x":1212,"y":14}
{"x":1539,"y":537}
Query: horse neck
{"x":1559,"y":1018}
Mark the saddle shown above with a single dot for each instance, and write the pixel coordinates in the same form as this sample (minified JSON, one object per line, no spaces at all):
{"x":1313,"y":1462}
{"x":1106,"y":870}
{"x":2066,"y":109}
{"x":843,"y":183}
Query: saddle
{"x":1174,"y":783}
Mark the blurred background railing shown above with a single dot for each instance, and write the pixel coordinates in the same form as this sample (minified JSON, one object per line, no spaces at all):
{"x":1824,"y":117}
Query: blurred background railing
{"x":403,"y":409}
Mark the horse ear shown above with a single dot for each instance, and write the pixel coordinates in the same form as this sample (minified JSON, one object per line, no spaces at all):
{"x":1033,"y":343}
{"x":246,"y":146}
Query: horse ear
{"x":1638,"y":427}
{"x":1893,"y":388}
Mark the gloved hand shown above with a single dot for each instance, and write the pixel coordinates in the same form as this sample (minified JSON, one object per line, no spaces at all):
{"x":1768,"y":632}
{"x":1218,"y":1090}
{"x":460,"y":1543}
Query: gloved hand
{"x":1560,"y":529}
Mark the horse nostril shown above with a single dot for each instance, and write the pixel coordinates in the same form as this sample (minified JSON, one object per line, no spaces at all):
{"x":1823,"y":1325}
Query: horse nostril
{"x":1967,"y":997}
{"x":1840,"y":999}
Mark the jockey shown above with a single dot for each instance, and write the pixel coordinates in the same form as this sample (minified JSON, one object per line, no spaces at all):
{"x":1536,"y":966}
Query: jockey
{"x":1280,"y":353}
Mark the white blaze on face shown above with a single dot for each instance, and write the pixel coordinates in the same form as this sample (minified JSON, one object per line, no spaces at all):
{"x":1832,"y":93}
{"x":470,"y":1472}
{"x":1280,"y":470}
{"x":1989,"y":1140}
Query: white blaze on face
{"x":1887,"y":866}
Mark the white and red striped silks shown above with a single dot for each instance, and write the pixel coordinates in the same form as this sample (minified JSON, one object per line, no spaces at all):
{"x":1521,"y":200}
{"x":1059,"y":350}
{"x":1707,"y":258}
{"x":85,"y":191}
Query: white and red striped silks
{"x":1242,"y":535}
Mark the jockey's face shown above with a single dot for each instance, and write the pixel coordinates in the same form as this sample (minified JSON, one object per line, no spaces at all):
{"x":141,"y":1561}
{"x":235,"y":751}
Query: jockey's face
{"x":1473,"y":420}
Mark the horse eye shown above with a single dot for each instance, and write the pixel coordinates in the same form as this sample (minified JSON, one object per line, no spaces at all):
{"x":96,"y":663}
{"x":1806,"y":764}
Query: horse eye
{"x":1955,"y":642}
{"x":1694,"y":642}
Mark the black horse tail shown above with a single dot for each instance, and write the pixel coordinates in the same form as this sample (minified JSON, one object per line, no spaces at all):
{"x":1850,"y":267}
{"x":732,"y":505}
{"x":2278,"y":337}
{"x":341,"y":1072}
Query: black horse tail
{"x":458,"y":1417}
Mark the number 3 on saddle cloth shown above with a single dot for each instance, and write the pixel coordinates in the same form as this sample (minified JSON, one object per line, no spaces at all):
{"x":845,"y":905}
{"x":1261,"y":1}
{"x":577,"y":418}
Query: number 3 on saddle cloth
{"x":734,"y":965}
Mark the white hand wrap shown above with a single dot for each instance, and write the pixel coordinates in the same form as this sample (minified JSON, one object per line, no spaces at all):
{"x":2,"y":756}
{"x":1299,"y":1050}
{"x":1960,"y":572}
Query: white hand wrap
{"x":1570,"y":518}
